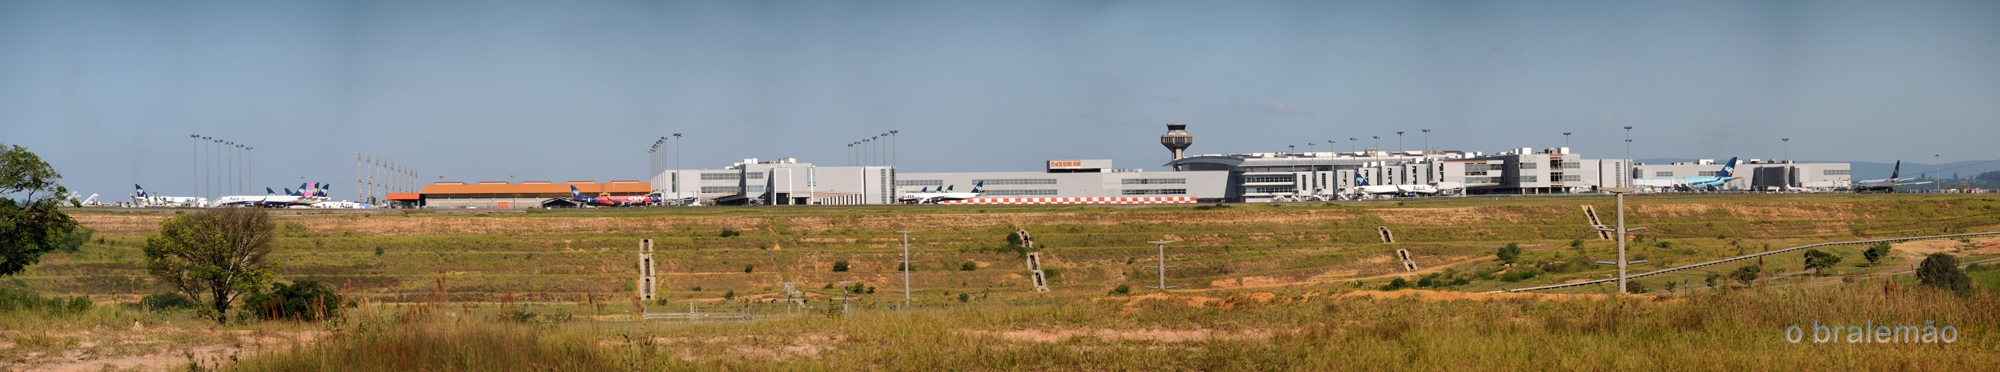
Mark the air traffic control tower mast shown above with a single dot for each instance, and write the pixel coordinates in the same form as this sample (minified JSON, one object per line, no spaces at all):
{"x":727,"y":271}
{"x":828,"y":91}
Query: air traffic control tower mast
{"x":1177,"y":140}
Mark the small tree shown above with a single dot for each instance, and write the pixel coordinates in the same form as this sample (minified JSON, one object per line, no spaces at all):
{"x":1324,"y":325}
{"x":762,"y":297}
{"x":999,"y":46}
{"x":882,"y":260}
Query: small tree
{"x":840,"y":266}
{"x":968,"y":266}
{"x":1509,"y":253}
{"x":1747,"y":274}
{"x":1122,"y":289}
{"x":1941,"y":271}
{"x":749,"y":268}
{"x":216,"y":254}
{"x":33,"y":224}
{"x":1712,"y":279}
{"x":1876,"y":252}
{"x":1818,"y":261}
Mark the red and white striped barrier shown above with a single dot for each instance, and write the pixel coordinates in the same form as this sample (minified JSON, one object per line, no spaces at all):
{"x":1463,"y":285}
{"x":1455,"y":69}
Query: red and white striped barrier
{"x":1080,"y":200}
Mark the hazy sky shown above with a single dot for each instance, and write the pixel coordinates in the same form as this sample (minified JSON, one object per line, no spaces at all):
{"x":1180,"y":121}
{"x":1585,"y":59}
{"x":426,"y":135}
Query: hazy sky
{"x":562,"y":90}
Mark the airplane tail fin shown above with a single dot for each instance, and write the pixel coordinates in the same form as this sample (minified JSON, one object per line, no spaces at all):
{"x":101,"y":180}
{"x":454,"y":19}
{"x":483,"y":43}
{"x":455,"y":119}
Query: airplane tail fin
{"x":1728,"y":169}
{"x":949,"y":188}
{"x":573,"y":193}
{"x":1360,"y":181}
{"x":979,"y":187}
{"x":1893,"y":174}
{"x":268,"y":192}
{"x":141,"y":189}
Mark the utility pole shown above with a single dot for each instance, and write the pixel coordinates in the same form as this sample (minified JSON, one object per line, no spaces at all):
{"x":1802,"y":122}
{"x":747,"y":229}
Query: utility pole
{"x":1623,"y":233}
{"x":1162,"y":266}
{"x":906,"y":269}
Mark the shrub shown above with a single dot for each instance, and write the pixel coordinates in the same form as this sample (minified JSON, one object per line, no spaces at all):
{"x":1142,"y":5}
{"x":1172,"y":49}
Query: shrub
{"x":25,"y":301}
{"x":1876,"y":252}
{"x":1712,"y":278}
{"x":167,"y":302}
{"x":840,"y":266}
{"x":730,"y":295}
{"x":968,"y":266}
{"x":964,"y":297}
{"x":1520,"y":274}
{"x":729,"y":232}
{"x":1396,"y":284}
{"x":1509,"y":253}
{"x":304,"y":300}
{"x":1636,"y":287}
{"x":749,"y":268}
{"x":1122,"y":289}
{"x":1941,"y":271}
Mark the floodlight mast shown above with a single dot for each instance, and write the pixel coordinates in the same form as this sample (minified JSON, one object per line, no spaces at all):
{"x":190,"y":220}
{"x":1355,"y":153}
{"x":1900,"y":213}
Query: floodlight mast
{"x":1162,"y":266}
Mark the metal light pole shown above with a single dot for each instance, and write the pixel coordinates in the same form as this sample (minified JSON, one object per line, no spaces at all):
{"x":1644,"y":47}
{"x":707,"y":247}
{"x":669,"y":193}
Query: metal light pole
{"x":1622,"y":232}
{"x":1625,"y":180}
{"x":1310,"y":147}
{"x":1788,"y":147}
{"x":213,"y":160}
{"x":892,"y":149}
{"x":1399,"y":142}
{"x":1565,"y":139}
{"x":243,"y":183}
{"x":850,"y":154}
{"x":1351,"y":143}
{"x":196,"y":176}
{"x":677,"y":165}
{"x":883,"y":154}
{"x":1163,"y":265}
{"x":1294,"y":148}
{"x":1378,"y":144}
{"x":1329,"y":146}
{"x":250,"y":166}
{"x":1427,"y":142}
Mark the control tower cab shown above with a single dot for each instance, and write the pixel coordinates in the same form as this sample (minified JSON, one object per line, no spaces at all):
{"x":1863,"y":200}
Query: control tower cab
{"x":1177,"y":140}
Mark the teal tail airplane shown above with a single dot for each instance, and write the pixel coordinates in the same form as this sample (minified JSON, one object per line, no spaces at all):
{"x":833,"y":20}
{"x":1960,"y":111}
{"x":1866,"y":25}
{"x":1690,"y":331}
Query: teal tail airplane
{"x":1708,"y":183}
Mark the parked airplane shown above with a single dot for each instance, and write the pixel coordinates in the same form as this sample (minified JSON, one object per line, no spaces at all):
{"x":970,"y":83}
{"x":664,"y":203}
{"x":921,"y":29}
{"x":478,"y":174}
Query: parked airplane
{"x":605,"y":199}
{"x":141,"y":199}
{"x":270,"y":199}
{"x":1691,"y":183}
{"x":928,"y":196}
{"x":1363,"y":188}
{"x":339,"y":205}
{"x":1886,"y":184}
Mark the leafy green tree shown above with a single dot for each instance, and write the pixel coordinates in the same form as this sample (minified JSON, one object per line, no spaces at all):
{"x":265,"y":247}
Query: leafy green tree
{"x":1941,"y":271}
{"x":1509,"y":253}
{"x":1876,"y":252}
{"x":215,"y":255}
{"x":31,"y":222}
{"x":1818,"y":261}
{"x":1747,"y":274}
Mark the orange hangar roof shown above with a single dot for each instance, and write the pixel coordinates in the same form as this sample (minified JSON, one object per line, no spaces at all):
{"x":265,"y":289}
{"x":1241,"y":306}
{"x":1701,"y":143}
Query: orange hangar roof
{"x":404,"y":196}
{"x":543,"y":187}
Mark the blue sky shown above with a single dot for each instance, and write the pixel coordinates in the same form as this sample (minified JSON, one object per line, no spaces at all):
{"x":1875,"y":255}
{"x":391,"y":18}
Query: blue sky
{"x":481,"y":90}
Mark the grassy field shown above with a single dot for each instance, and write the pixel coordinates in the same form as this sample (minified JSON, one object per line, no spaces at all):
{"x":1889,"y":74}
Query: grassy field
{"x":1288,"y":286}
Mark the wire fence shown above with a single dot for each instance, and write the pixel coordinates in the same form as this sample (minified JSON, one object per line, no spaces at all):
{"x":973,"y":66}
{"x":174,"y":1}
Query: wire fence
{"x":1749,"y":256}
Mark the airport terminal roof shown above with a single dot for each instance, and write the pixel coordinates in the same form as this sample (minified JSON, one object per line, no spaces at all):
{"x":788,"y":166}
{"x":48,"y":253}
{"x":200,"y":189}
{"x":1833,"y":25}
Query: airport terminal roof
{"x":492,"y":187}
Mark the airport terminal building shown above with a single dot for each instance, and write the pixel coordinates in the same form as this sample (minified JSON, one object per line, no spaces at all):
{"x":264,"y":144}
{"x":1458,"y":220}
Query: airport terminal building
{"x":1207,"y":178}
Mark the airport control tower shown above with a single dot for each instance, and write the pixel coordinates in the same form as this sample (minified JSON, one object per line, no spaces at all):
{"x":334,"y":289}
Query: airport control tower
{"x":1177,"y":140}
